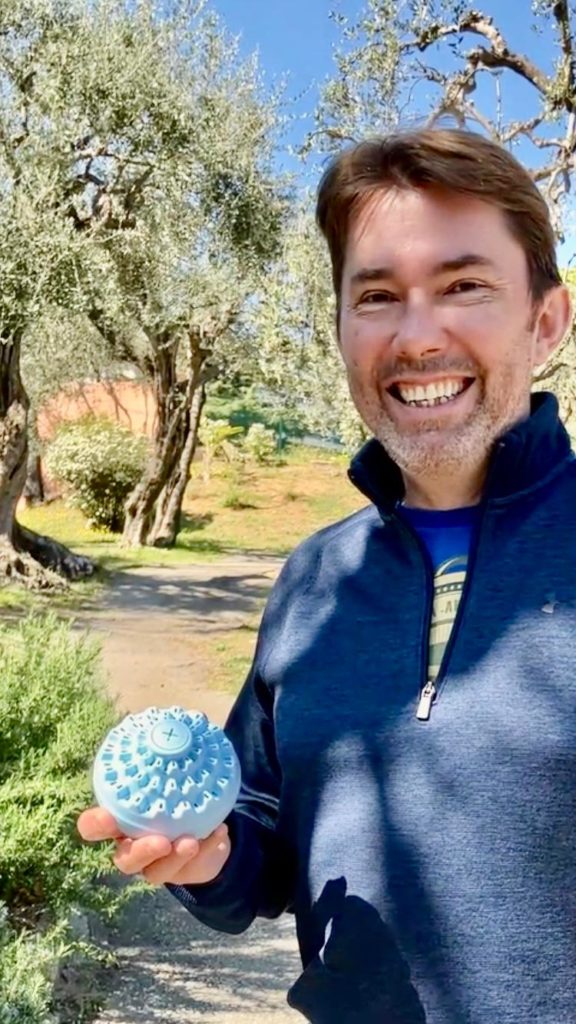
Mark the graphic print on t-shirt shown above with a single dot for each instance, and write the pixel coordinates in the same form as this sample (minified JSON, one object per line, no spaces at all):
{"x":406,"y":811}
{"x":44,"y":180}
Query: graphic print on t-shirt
{"x":449,"y":580}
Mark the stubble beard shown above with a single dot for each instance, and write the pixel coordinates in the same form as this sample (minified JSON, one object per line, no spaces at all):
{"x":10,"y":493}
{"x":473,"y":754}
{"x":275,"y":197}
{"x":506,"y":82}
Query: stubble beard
{"x":437,"y":450}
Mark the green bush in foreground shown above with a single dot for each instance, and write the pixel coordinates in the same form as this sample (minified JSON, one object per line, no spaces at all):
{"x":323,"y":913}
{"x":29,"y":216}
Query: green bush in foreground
{"x":27,"y":963}
{"x":101,"y":462}
{"x":53,"y":716}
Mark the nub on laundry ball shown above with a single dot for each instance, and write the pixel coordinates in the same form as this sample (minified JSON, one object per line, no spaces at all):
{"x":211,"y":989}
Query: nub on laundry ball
{"x":167,"y":771}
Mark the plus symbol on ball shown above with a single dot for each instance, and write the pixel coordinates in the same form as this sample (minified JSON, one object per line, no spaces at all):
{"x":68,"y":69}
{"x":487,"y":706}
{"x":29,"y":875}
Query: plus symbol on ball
{"x":169,"y":735}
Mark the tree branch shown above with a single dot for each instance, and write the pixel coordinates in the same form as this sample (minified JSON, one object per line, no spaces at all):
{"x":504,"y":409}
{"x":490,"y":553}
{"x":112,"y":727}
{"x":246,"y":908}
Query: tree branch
{"x":498,"y":56}
{"x":561,"y":12}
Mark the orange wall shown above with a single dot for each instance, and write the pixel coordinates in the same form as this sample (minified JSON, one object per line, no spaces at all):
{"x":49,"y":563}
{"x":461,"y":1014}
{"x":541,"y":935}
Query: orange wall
{"x":130,"y":403}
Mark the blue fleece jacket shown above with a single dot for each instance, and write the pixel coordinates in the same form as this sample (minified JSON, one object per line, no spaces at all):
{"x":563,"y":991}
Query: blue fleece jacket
{"x":430,"y":865}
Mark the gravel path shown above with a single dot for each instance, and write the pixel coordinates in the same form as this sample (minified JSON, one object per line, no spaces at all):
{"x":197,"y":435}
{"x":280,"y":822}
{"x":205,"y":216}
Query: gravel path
{"x":172,"y":969}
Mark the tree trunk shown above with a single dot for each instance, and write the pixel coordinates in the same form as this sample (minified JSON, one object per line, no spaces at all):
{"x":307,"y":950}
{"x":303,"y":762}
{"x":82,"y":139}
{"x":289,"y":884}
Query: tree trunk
{"x":24,"y":556}
{"x":13,"y":435}
{"x":33,"y":491}
{"x":51,"y":554}
{"x":175,"y":401}
{"x":169,"y":505}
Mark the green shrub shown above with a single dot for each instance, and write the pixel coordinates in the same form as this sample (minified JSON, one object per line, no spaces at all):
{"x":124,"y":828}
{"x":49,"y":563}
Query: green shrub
{"x":237,"y":500}
{"x":100,"y":462}
{"x":54,"y":716}
{"x":215,"y":436}
{"x":243,"y":406}
{"x":27,"y":965}
{"x":260,"y":443}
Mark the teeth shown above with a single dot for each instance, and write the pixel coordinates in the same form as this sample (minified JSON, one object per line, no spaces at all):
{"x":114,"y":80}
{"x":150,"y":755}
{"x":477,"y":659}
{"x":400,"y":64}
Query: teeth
{"x":437,"y":393}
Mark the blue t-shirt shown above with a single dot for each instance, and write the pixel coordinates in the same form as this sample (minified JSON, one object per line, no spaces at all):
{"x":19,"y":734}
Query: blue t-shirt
{"x":446,"y":536}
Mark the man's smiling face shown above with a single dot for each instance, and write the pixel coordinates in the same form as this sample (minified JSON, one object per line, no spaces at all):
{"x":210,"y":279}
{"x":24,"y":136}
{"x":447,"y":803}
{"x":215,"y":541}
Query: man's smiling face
{"x":438,"y":329}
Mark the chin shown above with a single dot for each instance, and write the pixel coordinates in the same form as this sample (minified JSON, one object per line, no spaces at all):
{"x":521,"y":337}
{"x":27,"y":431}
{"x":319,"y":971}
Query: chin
{"x":435,"y":452}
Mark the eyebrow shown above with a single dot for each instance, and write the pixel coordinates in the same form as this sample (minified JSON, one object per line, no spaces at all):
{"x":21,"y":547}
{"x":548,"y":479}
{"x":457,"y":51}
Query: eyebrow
{"x":467,"y":259}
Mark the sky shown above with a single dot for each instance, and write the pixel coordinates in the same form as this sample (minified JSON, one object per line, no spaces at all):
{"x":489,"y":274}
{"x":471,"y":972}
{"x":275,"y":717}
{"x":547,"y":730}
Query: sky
{"x":295,"y":40}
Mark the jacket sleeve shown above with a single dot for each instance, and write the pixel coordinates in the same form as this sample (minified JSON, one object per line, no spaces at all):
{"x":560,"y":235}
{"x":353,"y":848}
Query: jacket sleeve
{"x":257,"y":879}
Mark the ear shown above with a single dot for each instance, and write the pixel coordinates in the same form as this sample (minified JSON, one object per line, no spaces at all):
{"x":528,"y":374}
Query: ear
{"x":552,"y":321}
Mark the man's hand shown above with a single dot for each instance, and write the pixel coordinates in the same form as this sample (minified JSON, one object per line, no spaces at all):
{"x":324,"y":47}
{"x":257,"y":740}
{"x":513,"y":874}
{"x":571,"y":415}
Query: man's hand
{"x":186,"y":861}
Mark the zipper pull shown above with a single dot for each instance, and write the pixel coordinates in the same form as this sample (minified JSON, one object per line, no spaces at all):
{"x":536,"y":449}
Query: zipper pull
{"x":427,"y":696}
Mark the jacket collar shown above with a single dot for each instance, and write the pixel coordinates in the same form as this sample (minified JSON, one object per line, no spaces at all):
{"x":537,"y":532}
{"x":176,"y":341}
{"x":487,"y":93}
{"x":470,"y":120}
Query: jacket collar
{"x":523,"y":458}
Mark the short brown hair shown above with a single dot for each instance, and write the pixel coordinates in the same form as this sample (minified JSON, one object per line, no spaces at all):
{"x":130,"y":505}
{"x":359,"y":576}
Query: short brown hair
{"x":449,"y":158}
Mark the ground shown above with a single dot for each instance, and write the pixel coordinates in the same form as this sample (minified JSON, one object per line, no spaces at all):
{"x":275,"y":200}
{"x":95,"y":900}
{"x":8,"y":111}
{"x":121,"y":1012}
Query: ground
{"x":153,"y":624}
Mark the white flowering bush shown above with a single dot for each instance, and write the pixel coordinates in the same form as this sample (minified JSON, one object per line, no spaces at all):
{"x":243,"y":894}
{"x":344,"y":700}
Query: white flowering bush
{"x":100,"y":462}
{"x":260,"y":443}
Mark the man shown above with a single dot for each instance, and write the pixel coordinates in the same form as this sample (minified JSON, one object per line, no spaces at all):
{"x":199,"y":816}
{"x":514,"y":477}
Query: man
{"x":408,"y":729}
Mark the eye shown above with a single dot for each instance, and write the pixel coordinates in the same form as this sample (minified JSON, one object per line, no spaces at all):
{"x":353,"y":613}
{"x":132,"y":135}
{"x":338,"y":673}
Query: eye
{"x":462,"y":287}
{"x":372,"y":298}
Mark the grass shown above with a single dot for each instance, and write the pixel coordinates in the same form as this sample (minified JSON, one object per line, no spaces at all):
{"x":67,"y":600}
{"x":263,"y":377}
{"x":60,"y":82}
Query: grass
{"x":228,"y":654}
{"x":244,"y":509}
{"x":276,"y":506}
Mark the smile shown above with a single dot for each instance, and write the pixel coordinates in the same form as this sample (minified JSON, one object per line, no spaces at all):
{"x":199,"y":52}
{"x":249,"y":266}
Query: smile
{"x":440,"y":392}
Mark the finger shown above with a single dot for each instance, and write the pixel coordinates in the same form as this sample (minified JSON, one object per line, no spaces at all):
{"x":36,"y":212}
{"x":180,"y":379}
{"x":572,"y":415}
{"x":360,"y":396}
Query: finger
{"x":134,"y":855}
{"x":204,"y":867}
{"x":184,"y":850}
{"x":96,"y":824}
{"x":197,"y":872}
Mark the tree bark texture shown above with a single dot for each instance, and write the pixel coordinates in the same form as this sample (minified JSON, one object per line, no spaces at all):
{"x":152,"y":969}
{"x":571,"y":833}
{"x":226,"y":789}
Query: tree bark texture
{"x":13,"y":435}
{"x":25,"y":557}
{"x":33,"y":490}
{"x":159,"y":494}
{"x":169,"y":505}
{"x":52,"y":555}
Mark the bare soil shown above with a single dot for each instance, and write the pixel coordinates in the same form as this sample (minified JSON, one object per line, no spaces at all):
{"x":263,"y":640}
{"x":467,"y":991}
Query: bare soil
{"x":150,"y":618}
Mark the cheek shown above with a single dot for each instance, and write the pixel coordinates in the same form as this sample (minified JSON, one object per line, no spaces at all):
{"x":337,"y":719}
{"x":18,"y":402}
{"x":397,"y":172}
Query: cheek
{"x":483,"y":323}
{"x":360,"y":344}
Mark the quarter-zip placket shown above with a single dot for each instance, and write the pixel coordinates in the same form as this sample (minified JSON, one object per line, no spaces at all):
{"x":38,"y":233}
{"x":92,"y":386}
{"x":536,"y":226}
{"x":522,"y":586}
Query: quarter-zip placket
{"x":430,"y":689}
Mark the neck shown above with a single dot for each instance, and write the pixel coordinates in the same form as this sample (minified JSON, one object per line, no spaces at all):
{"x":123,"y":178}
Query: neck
{"x":445,"y":491}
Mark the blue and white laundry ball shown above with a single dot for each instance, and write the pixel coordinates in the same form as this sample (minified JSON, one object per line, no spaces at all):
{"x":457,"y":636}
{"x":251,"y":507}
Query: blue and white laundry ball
{"x":167,"y":771}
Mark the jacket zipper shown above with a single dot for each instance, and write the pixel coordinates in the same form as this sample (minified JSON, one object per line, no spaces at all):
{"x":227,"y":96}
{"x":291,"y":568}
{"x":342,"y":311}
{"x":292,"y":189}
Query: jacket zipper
{"x":430,"y":689}
{"x":427,"y":698}
{"x":427,"y":689}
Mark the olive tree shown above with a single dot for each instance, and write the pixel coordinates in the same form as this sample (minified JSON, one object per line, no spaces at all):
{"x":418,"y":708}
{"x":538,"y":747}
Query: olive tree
{"x":137,"y":196}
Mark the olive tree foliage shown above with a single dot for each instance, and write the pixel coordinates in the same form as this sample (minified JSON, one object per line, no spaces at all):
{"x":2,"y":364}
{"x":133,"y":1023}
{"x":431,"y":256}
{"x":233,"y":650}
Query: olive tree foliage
{"x":39,"y":257}
{"x":298,"y":355}
{"x":139,"y":147}
{"x":187,"y":266}
{"x":423,"y":62}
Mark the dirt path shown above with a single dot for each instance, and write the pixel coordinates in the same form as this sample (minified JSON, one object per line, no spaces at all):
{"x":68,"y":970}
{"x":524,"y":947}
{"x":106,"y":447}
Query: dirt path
{"x":172,"y":969}
{"x":148,"y":621}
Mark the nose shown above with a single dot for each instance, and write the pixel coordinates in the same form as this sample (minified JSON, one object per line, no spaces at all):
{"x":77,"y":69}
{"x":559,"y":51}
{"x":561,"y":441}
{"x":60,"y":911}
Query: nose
{"x":419,"y":332}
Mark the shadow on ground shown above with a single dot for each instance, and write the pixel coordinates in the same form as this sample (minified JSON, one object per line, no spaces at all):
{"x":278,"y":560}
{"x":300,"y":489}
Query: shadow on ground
{"x":205,"y":594}
{"x":172,"y":969}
